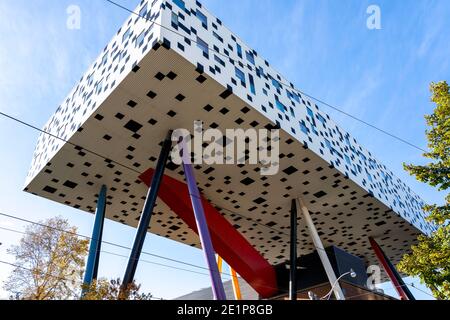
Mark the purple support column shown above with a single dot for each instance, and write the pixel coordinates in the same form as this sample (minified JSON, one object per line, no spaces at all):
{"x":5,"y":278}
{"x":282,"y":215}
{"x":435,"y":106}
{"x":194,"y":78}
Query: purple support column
{"x":203,"y":231}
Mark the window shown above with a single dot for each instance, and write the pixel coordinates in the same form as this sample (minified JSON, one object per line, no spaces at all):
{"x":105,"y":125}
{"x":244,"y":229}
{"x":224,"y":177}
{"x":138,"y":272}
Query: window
{"x":143,"y":12}
{"x":250,"y":57}
{"x":259,"y":72}
{"x":219,"y":60}
{"x":126,"y":35}
{"x":240,"y":75}
{"x":204,"y":46}
{"x":239,"y":50}
{"x":292,"y":96}
{"x":310,"y":113}
{"x":276,"y":84}
{"x":280,"y":106}
{"x":180,"y":4}
{"x":252,"y":84}
{"x":140,"y":39}
{"x":347,"y":159}
{"x":105,"y":59}
{"x":217,"y":36}
{"x":174,"y":20}
{"x":203,"y":19}
{"x":303,"y":127}
{"x":321,"y":119}
{"x":99,"y":87}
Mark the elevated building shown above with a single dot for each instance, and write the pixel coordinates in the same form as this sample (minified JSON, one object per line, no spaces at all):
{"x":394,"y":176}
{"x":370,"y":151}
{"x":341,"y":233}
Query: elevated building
{"x":173,"y":63}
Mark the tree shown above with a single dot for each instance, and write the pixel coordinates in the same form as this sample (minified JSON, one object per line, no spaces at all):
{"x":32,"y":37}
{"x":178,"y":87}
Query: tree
{"x":50,"y":262}
{"x":103,"y":289}
{"x":430,"y":258}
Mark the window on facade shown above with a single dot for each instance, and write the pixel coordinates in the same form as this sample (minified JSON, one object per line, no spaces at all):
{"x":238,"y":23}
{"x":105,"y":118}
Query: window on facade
{"x":303,"y":127}
{"x":180,"y":4}
{"x":250,"y":57}
{"x":276,"y":83}
{"x":293,"y":96}
{"x":174,"y":19}
{"x":105,"y":59}
{"x":321,"y":119}
{"x":220,"y":61}
{"x":280,"y":106}
{"x":99,"y":87}
{"x":252,"y":84}
{"x":240,"y":75}
{"x":203,"y":19}
{"x":239,"y":50}
{"x":143,"y":12}
{"x":347,"y":159}
{"x":216,"y":35}
{"x":126,"y":35}
{"x":259,"y":72}
{"x":203,"y":45}
{"x":140,"y":39}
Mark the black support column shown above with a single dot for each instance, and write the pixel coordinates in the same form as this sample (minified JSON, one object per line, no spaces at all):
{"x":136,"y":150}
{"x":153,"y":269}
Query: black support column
{"x":147,"y":212}
{"x":293,"y":263}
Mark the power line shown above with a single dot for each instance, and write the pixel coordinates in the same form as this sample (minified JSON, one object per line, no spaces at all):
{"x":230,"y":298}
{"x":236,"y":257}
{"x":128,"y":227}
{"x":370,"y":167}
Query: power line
{"x":64,"y":140}
{"x":52,"y":276}
{"x":105,"y":242}
{"x":165,"y":265}
{"x":383,"y":131}
{"x":124,"y":256}
{"x":119,"y":255}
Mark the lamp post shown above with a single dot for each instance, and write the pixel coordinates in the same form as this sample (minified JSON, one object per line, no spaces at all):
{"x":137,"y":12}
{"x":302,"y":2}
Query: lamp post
{"x":313,"y":296}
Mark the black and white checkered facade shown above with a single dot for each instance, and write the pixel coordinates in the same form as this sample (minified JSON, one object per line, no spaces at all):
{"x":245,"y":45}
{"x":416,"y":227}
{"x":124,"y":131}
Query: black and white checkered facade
{"x":150,"y":79}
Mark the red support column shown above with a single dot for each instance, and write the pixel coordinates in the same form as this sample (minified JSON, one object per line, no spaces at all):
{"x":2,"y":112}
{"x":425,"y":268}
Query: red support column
{"x":392,"y":273}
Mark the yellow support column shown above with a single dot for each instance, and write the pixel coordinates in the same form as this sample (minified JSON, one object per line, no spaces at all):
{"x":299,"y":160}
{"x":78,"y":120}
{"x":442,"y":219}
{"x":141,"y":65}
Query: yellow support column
{"x":236,"y":287}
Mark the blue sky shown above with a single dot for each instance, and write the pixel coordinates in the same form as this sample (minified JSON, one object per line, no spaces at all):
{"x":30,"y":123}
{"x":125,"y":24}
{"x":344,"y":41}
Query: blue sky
{"x":323,"y":47}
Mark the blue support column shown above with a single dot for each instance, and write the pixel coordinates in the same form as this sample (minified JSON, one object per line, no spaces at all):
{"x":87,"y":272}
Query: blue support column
{"x":96,"y":239}
{"x":147,"y":212}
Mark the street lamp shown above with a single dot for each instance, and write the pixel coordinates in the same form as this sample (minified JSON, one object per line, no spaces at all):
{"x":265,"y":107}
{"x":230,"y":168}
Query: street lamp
{"x":313,"y":296}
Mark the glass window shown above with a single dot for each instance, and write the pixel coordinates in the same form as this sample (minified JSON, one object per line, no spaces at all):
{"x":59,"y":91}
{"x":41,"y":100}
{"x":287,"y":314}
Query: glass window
{"x":240,"y":75}
{"x":303,"y":127}
{"x":180,"y":4}
{"x":99,"y":87}
{"x":174,"y":19}
{"x":252,"y":84}
{"x":219,"y":60}
{"x":217,"y":36}
{"x":203,"y":19}
{"x":280,"y":106}
{"x":126,"y":35}
{"x":239,"y":50}
{"x":347,"y":159}
{"x":250,"y":57}
{"x":202,"y":45}
{"x":276,"y":83}
{"x":140,"y":39}
{"x":143,"y":12}
{"x":105,"y":59}
{"x":321,"y":119}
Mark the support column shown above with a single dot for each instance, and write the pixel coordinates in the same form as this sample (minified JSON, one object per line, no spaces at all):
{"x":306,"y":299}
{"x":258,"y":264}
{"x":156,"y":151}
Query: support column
{"x":397,"y":281}
{"x":236,"y":286}
{"x":203,"y":231}
{"x":96,"y":240}
{"x":147,"y":212}
{"x":321,"y":252}
{"x":293,"y":263}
